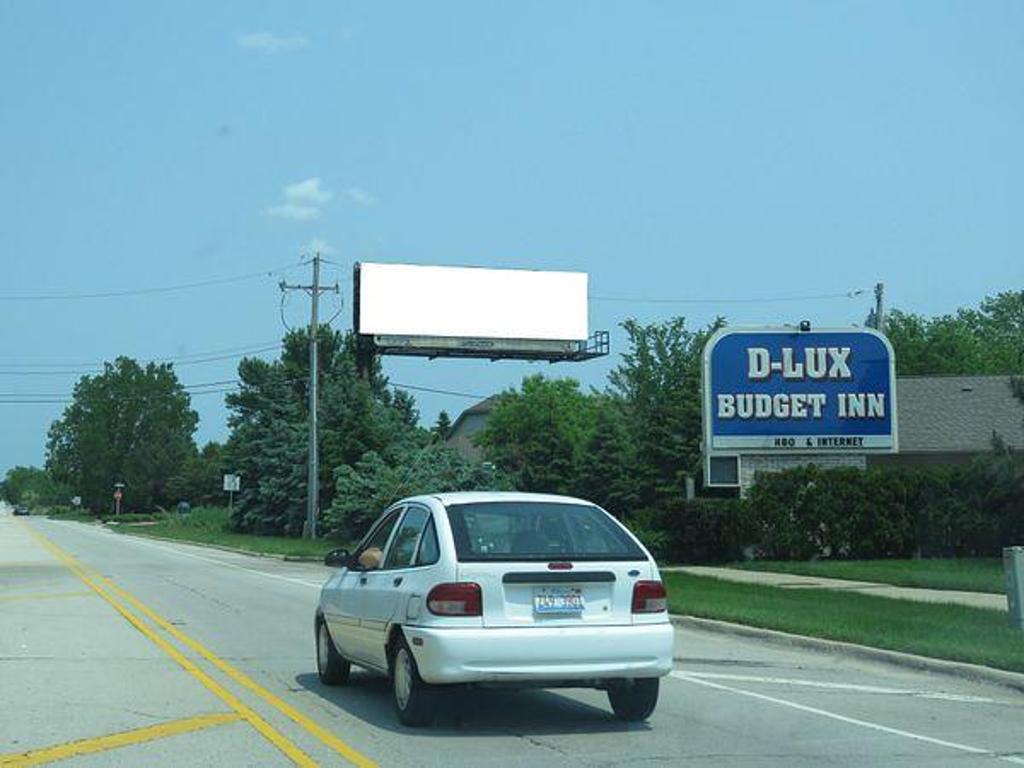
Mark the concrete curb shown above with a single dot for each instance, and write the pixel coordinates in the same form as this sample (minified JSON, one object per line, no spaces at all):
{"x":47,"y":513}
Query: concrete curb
{"x":976,"y":672}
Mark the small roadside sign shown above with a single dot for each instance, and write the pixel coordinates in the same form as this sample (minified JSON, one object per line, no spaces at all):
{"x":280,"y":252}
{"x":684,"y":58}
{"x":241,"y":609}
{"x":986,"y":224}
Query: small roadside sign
{"x":232,"y":484}
{"x":118,"y":495}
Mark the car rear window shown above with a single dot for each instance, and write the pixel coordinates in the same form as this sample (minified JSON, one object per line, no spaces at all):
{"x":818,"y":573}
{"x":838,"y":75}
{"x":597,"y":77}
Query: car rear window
{"x":516,"y":530}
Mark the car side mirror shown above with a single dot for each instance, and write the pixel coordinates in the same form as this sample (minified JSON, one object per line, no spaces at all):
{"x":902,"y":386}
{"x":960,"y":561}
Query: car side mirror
{"x":336,"y":558}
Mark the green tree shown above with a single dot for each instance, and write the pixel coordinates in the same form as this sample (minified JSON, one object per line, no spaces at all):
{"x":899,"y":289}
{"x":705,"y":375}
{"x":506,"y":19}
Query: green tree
{"x":200,"y":480}
{"x":537,"y":433}
{"x":366,"y":488}
{"x":608,"y":461}
{"x":33,"y":487}
{"x":986,"y":340}
{"x":269,"y":428}
{"x":658,"y":382}
{"x":267,"y":447}
{"x":443,"y":426}
{"x":128,"y":424}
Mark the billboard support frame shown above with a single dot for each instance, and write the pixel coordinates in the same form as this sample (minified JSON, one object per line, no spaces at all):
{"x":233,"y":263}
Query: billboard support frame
{"x":365,"y":351}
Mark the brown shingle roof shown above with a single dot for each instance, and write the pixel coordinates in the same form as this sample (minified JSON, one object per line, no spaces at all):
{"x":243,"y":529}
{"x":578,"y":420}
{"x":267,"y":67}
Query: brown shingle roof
{"x":957,"y":413}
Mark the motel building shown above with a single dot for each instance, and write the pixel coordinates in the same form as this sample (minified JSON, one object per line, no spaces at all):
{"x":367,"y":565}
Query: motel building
{"x":942,"y":420}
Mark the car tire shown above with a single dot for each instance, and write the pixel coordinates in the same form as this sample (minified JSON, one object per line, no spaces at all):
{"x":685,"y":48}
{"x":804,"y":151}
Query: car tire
{"x":634,"y":700}
{"x":415,"y":700}
{"x":330,"y":665}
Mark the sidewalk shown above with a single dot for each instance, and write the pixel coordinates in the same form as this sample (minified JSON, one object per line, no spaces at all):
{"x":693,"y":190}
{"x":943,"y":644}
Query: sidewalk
{"x":792,"y":581}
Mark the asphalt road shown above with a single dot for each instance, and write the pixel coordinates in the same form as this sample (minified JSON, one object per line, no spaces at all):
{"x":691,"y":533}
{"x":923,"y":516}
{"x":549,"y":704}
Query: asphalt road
{"x":121,"y":651}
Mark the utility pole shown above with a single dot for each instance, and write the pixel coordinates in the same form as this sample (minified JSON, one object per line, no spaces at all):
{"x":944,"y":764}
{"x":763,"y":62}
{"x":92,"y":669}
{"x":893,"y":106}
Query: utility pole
{"x":880,"y":307}
{"x":313,"y":481}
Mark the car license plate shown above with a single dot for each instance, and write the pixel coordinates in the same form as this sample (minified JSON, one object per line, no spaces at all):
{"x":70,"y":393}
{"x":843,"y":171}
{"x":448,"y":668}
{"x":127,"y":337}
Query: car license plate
{"x":549,"y":600}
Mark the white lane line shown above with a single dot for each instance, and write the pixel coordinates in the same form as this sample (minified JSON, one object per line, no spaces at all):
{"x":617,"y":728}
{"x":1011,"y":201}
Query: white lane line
{"x":850,"y":720}
{"x":957,"y":697}
{"x":214,"y":561}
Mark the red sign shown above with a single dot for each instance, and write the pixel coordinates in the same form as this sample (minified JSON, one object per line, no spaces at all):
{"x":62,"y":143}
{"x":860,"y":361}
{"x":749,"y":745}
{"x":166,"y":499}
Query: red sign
{"x":117,"y":495}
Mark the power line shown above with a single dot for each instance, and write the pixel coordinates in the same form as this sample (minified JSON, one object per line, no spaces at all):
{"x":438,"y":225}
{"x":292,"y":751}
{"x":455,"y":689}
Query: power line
{"x":227,"y":385}
{"x":146,"y":291}
{"x":416,"y":388}
{"x":205,"y":388}
{"x":766,"y":300}
{"x":47,"y":400}
{"x":259,"y":346}
{"x":98,"y":369}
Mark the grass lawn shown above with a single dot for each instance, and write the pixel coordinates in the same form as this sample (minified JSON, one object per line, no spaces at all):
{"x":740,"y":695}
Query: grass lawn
{"x":68,"y":513}
{"x":970,"y":574}
{"x":208,"y":525}
{"x":953,"y":632}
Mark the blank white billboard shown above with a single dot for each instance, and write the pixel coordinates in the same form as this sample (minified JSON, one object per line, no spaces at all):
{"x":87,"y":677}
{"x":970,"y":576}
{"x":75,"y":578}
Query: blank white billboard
{"x":471,"y":302}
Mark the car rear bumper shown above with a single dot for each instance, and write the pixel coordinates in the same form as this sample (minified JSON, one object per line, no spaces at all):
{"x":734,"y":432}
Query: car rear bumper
{"x":536,"y":654}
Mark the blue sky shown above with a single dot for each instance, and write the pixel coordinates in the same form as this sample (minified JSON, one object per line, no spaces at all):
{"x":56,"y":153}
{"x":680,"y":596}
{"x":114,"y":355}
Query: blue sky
{"x":672,"y":150}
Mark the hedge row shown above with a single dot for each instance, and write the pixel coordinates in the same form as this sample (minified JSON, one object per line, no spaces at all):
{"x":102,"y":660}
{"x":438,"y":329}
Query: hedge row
{"x":805,"y":513}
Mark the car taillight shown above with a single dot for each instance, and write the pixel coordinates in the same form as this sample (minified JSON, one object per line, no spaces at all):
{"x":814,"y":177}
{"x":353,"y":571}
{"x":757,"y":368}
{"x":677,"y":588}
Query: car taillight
{"x":460,"y":599}
{"x":649,"y":597}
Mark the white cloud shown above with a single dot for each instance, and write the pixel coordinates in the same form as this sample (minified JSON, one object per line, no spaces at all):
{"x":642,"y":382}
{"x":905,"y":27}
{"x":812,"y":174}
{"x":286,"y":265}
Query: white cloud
{"x":268,"y":42}
{"x":360,"y":196}
{"x":308,"y":192}
{"x":294,"y":212}
{"x":303,"y":201}
{"x":318,"y":245}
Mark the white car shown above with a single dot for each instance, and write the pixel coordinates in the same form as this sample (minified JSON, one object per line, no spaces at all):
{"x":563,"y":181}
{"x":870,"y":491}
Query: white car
{"x":497,"y":589}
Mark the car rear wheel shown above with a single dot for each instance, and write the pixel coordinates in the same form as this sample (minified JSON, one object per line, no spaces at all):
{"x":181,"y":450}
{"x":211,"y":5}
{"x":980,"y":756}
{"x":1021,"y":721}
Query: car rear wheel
{"x":634,"y":700}
{"x":414,"y":699}
{"x":332,"y":668}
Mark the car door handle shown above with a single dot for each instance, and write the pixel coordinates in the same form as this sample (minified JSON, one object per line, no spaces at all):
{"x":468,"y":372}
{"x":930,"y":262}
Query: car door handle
{"x":397,"y":581}
{"x":362,"y":579}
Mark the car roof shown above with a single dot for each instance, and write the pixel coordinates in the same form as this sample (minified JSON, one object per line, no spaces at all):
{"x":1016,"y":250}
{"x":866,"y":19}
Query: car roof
{"x":478,"y":497}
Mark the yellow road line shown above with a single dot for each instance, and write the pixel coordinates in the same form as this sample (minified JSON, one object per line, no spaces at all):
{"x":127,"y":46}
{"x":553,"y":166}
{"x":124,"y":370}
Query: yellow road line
{"x":280,"y":741}
{"x":349,"y":753}
{"x":116,"y":740}
{"x":42,"y":596}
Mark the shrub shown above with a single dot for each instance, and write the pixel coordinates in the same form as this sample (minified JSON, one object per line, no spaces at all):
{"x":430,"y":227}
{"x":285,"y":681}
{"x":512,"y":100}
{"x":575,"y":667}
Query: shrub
{"x":962,"y":511}
{"x":809,"y":512}
{"x":695,"y":531}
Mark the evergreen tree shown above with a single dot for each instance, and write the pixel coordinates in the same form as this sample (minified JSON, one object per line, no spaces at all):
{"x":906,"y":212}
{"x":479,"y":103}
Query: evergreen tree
{"x":443,"y":426}
{"x":659,"y":383}
{"x":200,"y":480}
{"x":366,"y":488}
{"x":269,"y":423}
{"x":606,"y":467}
{"x":268,"y":448}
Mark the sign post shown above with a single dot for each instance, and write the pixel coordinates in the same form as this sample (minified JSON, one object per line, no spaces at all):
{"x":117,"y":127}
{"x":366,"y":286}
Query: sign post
{"x":776,"y":391}
{"x":1013,"y":566}
{"x":232,"y":483}
{"x":118,"y":494}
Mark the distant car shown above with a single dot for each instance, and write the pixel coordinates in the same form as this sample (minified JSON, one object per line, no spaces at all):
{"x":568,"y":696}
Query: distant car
{"x":497,"y":589}
{"x":20,"y":509}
